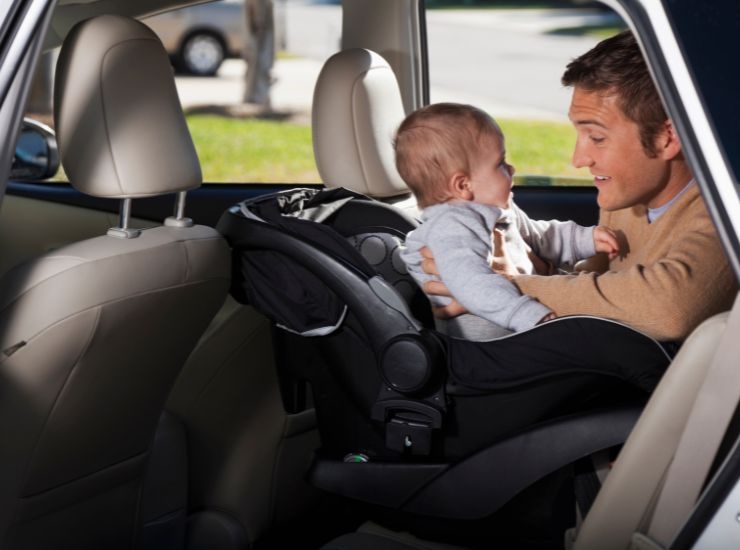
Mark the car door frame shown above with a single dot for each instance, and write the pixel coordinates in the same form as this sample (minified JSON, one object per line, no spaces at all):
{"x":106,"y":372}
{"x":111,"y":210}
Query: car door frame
{"x":21,"y":38}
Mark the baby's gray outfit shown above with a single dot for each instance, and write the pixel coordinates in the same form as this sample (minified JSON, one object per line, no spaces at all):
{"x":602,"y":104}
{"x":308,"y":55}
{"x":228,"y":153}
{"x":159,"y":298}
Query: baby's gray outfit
{"x":459,"y":237}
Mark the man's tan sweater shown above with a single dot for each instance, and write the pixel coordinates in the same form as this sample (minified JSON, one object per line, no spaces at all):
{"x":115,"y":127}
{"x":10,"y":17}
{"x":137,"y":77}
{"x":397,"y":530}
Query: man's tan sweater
{"x":671,"y":274}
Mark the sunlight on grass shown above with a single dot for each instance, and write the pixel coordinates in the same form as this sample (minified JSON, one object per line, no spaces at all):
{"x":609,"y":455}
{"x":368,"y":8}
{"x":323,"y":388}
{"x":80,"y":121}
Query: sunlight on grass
{"x":255,"y":151}
{"x":597,"y":31}
{"x":269,"y":151}
{"x":233,"y":150}
{"x":541,"y":147}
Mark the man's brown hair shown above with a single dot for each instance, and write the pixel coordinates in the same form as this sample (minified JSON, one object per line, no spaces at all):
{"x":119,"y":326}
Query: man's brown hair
{"x":436,"y":141}
{"x":616,"y":65}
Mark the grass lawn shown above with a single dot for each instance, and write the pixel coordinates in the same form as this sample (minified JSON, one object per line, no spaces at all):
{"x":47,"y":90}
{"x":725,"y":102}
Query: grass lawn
{"x":597,"y":31}
{"x":253,"y":150}
{"x":540,"y":148}
{"x":264,"y":151}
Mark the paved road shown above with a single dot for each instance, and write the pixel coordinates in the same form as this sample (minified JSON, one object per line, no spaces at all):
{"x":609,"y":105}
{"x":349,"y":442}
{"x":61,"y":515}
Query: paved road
{"x":501,"y":60}
{"x":504,"y":60}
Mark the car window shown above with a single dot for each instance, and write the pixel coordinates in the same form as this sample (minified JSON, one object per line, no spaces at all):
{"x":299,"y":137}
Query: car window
{"x":246,"y":129}
{"x":508,"y":61}
{"x":505,"y":60}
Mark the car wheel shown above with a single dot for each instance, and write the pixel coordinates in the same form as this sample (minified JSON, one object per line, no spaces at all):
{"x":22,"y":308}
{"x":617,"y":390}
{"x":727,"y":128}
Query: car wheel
{"x":201,"y":54}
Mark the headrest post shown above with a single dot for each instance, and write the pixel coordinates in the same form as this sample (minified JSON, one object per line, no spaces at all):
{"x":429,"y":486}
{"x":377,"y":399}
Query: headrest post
{"x":124,"y":214}
{"x":179,"y":219}
{"x":123,"y":231}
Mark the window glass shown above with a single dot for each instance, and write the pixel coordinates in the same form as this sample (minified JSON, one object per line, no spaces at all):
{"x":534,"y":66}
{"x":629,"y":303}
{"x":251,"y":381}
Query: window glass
{"x":508,"y":61}
{"x":253,"y":125}
{"x":503,"y":59}
{"x":248,"y":127}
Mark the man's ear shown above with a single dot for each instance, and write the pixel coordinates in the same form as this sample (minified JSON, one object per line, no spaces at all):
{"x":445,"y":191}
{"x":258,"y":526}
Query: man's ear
{"x":668,"y":146}
{"x":459,"y":186}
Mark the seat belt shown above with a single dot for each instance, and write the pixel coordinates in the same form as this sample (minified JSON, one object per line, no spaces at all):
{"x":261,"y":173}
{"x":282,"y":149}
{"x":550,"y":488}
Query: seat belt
{"x":710,"y":416}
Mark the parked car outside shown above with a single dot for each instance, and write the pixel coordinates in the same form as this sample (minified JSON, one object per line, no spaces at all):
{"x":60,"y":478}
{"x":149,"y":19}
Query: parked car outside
{"x":198,"y":38}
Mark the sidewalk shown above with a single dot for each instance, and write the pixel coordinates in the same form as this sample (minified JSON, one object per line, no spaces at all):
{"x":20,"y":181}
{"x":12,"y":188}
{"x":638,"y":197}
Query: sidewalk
{"x":291,"y":93}
{"x":295,"y":77}
{"x":533,"y":21}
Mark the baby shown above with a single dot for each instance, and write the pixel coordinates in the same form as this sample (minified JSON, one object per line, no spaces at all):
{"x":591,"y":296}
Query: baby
{"x":453,"y":158}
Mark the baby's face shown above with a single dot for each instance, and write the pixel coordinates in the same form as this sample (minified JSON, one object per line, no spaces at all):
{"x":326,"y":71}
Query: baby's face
{"x":491,"y":177}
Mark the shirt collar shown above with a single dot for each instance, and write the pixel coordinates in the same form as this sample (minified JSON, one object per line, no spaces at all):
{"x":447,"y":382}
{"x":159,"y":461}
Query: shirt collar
{"x":654,"y":213}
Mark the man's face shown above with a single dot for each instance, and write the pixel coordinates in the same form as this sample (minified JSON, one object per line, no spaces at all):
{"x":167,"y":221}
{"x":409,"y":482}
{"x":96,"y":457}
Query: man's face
{"x":608,"y":144}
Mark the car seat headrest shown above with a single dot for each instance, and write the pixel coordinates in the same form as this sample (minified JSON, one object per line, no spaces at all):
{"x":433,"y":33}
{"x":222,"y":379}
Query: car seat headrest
{"x":357,"y":107}
{"x":119,"y":123}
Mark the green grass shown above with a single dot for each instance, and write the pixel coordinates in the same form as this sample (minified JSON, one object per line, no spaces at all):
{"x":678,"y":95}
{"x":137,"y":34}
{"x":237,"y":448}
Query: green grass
{"x":541,"y":148}
{"x":597,"y":31}
{"x":269,"y":151}
{"x":253,"y":150}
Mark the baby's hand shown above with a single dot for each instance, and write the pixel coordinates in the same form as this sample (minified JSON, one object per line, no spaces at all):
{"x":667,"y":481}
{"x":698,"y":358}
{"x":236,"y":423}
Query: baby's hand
{"x":605,"y":240}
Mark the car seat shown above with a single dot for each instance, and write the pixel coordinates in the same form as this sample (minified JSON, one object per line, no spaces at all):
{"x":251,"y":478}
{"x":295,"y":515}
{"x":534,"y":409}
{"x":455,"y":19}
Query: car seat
{"x":378,"y":375}
{"x":94,"y":333}
{"x":624,"y":512}
{"x":409,"y":418}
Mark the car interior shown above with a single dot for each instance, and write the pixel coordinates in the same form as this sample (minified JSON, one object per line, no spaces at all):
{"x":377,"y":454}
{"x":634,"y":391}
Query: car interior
{"x":398,"y":376}
{"x":190,"y":366}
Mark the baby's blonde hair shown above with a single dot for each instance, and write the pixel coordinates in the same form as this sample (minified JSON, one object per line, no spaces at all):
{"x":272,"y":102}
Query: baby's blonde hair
{"x":436,"y":141}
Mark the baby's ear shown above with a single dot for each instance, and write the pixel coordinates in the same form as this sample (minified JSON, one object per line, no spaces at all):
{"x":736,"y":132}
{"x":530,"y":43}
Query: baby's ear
{"x":459,"y":186}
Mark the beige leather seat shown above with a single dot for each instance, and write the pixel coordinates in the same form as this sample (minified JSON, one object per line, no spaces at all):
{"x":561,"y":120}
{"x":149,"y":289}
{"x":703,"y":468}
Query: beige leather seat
{"x":625,"y":505}
{"x":357,"y":108}
{"x":93,"y":334}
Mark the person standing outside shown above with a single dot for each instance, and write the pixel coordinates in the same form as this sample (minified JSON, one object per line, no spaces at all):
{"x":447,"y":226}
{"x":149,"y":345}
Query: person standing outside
{"x":671,"y":272}
{"x":260,"y":52}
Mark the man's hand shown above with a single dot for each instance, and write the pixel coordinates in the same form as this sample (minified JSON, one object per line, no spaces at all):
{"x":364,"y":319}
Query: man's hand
{"x":500,"y":261}
{"x":450,"y":311}
{"x":605,"y":240}
{"x":541,"y":267}
{"x":428,"y":265}
{"x":438,"y":288}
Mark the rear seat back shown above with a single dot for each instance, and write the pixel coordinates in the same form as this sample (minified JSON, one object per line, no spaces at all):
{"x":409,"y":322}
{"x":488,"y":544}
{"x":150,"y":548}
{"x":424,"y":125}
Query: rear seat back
{"x":357,"y":107}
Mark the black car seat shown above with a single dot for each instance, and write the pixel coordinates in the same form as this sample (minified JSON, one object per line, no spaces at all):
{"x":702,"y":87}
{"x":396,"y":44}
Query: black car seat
{"x":95,"y":332}
{"x":649,"y":494}
{"x":398,"y":427}
{"x":410,"y":419}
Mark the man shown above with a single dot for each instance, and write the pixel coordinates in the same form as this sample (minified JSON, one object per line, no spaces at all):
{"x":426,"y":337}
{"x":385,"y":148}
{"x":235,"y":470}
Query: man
{"x":671,"y":272}
{"x":260,"y":52}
